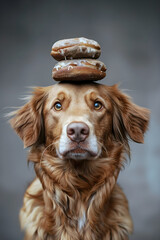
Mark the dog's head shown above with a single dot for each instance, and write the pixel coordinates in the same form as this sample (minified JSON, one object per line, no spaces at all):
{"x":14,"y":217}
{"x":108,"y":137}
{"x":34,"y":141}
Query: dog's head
{"x":81,"y":121}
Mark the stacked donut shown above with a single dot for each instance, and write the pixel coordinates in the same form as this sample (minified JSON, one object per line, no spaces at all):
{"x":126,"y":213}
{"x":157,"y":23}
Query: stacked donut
{"x":77,"y":60}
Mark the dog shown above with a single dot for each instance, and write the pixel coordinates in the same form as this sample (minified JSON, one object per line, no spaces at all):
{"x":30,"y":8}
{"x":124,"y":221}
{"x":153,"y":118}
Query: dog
{"x":78,"y":137}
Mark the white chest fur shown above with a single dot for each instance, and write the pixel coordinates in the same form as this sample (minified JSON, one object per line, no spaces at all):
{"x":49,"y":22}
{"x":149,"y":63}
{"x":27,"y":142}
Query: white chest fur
{"x":82,"y":219}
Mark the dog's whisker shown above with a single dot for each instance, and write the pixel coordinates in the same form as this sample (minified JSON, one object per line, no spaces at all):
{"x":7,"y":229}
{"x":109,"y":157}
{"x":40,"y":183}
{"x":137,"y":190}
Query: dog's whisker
{"x":102,"y":146}
{"x":52,"y":144}
{"x":45,"y":150}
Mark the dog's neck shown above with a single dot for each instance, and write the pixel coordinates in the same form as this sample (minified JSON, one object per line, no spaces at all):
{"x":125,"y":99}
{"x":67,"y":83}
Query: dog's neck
{"x":76,"y":177}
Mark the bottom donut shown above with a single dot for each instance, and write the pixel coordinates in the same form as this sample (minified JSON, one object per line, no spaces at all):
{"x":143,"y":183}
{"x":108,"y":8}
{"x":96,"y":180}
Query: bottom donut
{"x":79,"y":70}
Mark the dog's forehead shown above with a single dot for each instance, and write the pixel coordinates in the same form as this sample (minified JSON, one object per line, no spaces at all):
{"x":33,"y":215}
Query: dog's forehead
{"x":75,"y":90}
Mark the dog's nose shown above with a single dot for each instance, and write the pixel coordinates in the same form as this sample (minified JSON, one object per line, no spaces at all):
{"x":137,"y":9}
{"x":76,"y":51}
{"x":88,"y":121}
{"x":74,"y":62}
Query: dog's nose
{"x":77,"y":131}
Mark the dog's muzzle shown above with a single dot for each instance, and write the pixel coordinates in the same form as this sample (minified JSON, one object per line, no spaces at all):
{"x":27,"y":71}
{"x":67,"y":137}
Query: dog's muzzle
{"x":77,"y":142}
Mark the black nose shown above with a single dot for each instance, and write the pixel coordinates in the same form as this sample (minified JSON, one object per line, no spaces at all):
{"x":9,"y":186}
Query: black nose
{"x":77,"y":131}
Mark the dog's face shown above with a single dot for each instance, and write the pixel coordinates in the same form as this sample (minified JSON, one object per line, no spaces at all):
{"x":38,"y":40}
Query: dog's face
{"x":80,"y":121}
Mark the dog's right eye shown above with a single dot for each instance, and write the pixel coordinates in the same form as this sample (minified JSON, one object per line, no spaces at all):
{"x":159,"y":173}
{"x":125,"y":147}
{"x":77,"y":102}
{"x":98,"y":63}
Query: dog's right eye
{"x":98,"y":105}
{"x":58,"y":106}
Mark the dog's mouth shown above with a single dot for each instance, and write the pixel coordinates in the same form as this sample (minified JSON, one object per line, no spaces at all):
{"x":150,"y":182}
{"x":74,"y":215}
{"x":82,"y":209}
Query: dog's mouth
{"x":88,"y":149}
{"x":78,"y":153}
{"x":78,"y":150}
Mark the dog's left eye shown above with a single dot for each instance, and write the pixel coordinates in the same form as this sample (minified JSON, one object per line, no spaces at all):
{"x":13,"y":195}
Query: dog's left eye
{"x":58,"y":106}
{"x":98,"y":105}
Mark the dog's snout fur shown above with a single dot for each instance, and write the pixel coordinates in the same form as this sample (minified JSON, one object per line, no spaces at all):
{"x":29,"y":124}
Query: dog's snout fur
{"x":77,"y":131}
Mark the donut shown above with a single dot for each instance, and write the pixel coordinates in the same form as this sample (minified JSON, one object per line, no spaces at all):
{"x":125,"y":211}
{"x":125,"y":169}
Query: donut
{"x":75,"y":48}
{"x":79,"y":70}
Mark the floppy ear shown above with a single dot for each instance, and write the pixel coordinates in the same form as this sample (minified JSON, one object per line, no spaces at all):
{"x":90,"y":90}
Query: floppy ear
{"x":128,"y":119}
{"x":27,"y":121}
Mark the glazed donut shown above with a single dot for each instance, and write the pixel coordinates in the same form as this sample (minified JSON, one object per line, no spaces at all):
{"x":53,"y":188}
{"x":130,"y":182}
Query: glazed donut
{"x":75,"y":48}
{"x":79,"y":70}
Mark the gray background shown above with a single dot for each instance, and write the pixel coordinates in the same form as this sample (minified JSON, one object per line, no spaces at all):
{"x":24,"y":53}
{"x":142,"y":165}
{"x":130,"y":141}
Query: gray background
{"x":129,"y":35}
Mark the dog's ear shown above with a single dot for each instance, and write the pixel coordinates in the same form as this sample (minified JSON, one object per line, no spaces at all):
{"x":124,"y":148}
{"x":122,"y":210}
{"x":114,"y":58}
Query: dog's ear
{"x":128,"y":118}
{"x":27,"y":121}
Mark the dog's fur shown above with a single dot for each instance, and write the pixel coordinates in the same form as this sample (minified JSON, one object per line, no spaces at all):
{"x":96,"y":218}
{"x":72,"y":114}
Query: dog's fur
{"x":75,"y":195}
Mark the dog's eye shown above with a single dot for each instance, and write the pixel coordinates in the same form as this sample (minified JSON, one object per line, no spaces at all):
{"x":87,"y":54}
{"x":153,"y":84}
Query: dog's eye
{"x":58,"y":106}
{"x":98,"y":105}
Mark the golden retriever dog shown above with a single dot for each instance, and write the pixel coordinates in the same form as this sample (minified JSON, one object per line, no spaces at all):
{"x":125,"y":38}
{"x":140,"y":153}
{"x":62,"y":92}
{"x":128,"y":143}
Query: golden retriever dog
{"x":78,"y":137}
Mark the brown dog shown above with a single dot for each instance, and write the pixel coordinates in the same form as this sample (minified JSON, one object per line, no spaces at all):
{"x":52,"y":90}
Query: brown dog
{"x":78,"y":136}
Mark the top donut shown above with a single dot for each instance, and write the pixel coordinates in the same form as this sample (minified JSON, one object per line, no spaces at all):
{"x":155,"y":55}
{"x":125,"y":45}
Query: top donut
{"x":75,"y":48}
